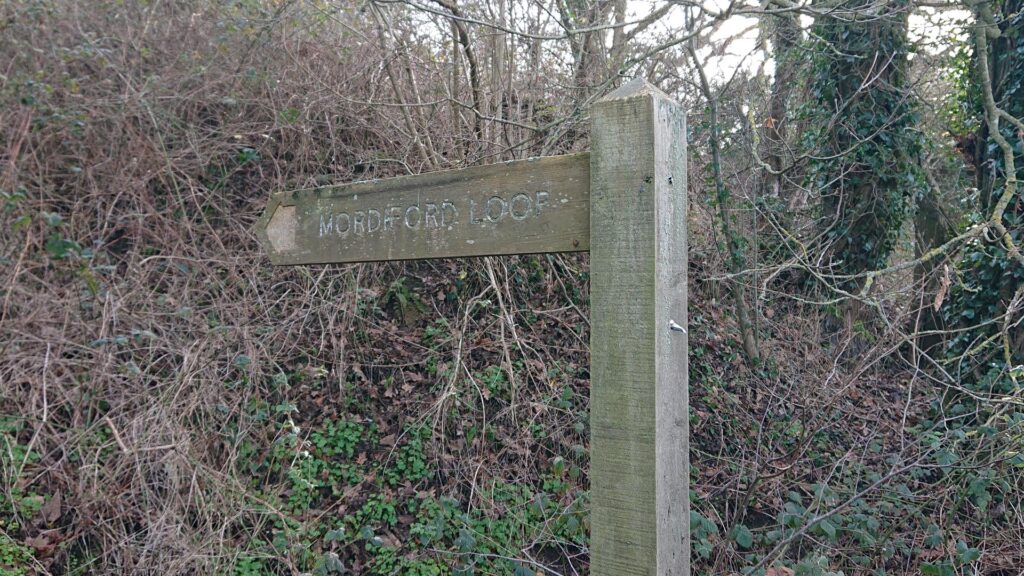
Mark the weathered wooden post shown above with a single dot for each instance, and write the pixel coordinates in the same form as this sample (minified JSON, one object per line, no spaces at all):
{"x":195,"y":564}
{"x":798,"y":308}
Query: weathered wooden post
{"x":639,"y":468}
{"x":626,"y":203}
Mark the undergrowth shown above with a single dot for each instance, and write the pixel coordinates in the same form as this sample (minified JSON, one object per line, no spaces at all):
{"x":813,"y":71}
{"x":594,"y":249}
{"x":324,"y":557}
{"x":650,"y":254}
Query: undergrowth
{"x":170,"y":403}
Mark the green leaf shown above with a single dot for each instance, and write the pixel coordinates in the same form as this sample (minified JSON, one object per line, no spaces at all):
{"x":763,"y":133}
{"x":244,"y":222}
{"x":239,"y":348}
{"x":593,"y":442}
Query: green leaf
{"x":52,"y":218}
{"x":828,"y":528}
{"x":946,"y":458}
{"x":465,"y":542}
{"x":21,"y":222}
{"x":247,"y":155}
{"x":331,"y":564}
{"x":967,"y":554}
{"x":286,"y":408}
{"x":58,"y":248}
{"x":522,"y":570}
{"x":743,"y":536}
{"x":290,"y":115}
{"x":558,"y":466}
{"x":702,"y":548}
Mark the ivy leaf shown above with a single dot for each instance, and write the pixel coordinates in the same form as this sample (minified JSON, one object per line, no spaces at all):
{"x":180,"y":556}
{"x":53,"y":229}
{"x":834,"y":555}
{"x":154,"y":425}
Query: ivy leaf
{"x":330,"y":564}
{"x":465,"y":541}
{"x":366,"y":533}
{"x":743,"y":536}
{"x":59,"y":248}
{"x":966,"y":554}
{"x":702,"y":548}
{"x":946,"y":458}
{"x":52,"y":218}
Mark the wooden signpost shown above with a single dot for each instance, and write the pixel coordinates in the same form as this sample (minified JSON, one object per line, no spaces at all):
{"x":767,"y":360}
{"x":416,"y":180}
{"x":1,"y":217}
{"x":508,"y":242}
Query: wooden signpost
{"x":625,"y":202}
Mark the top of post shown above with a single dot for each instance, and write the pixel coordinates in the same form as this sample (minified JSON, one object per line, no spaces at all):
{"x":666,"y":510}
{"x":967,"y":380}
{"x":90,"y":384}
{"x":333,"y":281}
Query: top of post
{"x":635,"y":88}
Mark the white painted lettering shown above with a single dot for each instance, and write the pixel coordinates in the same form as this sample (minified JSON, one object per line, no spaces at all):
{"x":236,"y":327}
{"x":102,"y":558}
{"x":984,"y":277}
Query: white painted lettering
{"x":372,"y":220}
{"x":447,"y":206}
{"x":390,"y":215}
{"x":326,"y":224}
{"x":337,"y":224}
{"x":357,"y":222}
{"x":496,"y":208}
{"x":542,"y":200}
{"x":519,"y":207}
{"x":412,"y":224}
{"x":430,"y":215}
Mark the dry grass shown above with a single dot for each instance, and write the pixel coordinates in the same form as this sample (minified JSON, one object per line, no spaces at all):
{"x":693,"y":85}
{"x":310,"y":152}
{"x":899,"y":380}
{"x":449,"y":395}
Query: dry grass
{"x":140,"y":324}
{"x":129,"y":360}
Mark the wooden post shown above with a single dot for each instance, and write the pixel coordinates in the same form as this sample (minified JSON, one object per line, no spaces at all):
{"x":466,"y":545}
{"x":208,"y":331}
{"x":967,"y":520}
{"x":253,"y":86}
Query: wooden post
{"x":639,"y":468}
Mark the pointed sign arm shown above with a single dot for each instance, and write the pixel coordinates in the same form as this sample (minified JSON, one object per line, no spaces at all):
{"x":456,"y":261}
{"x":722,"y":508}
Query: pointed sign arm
{"x":520,"y":207}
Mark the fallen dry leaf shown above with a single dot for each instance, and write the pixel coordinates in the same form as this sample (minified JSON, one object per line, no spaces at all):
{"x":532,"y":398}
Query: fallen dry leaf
{"x":42,"y":543}
{"x":50,"y":511}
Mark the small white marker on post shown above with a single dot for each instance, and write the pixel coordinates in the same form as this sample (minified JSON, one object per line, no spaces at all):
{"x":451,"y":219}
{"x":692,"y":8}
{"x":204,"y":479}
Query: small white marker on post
{"x":639,"y":470}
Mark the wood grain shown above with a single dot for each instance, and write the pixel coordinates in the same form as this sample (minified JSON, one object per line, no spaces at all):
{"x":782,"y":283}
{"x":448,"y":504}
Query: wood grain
{"x":639,"y":472}
{"x":521,"y":207}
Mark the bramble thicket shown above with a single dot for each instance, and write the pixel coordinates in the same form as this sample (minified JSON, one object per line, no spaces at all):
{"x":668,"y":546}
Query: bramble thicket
{"x":172,"y":404}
